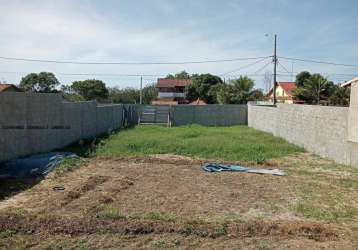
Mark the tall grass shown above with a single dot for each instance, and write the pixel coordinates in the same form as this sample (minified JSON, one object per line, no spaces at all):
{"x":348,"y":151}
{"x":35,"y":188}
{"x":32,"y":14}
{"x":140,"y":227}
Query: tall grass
{"x":237,"y":143}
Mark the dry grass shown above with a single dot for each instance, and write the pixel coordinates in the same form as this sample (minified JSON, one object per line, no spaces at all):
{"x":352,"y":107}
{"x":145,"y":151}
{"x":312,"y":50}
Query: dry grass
{"x":168,"y":202}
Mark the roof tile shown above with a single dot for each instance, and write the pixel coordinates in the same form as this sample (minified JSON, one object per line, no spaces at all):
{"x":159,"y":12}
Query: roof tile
{"x":170,"y":83}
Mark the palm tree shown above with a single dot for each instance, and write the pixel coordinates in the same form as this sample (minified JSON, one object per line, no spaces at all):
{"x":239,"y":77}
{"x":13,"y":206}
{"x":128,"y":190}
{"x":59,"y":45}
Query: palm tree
{"x":312,"y":89}
{"x":242,"y":88}
{"x":340,"y":96}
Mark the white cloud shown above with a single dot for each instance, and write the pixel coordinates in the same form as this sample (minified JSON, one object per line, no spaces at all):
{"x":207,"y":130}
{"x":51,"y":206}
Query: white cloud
{"x":78,"y":30}
{"x":73,"y":31}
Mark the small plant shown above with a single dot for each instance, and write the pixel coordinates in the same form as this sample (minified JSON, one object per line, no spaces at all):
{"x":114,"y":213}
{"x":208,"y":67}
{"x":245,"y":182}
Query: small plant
{"x":4,"y":236}
{"x":188,"y":229}
{"x":110,"y":213}
{"x":80,"y":246}
{"x":69,"y":164}
{"x":260,"y":158}
{"x":133,"y":147}
{"x":160,"y":244}
{"x":263,"y":246}
{"x":219,"y":231}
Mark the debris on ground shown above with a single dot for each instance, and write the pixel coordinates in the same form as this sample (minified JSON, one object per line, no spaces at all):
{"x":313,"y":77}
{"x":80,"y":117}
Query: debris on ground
{"x":35,"y":165}
{"x":213,"y":167}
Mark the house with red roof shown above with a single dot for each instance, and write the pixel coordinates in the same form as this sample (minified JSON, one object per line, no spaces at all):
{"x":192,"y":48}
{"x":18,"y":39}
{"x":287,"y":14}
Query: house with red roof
{"x":5,"y":87}
{"x":171,"y":91}
{"x":283,"y":92}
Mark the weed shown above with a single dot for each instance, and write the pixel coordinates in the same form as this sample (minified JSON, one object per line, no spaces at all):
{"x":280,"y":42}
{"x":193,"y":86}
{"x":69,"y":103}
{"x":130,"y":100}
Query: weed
{"x":110,"y":213}
{"x":188,"y":229}
{"x":348,"y":183}
{"x":219,"y":231}
{"x":4,"y":236}
{"x":80,"y":246}
{"x":263,"y":246}
{"x":230,"y":218}
{"x":69,"y":164}
{"x":260,"y":158}
{"x":165,"y":244}
{"x":326,"y":213}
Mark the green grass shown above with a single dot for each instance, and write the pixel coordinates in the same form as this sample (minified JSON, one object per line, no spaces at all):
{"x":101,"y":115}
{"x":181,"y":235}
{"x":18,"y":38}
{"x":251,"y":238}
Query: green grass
{"x":237,"y":143}
{"x":326,"y":206}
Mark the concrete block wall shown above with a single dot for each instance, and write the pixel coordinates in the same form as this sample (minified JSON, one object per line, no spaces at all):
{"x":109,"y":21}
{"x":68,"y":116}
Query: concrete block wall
{"x":318,"y":129}
{"x":33,"y":123}
{"x":209,"y":115}
{"x":12,"y":124}
{"x":353,"y":114}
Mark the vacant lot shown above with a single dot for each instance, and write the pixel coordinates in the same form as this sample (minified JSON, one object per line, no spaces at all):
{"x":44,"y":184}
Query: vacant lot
{"x":131,"y":197}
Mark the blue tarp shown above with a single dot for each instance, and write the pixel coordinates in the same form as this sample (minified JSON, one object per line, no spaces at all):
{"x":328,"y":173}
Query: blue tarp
{"x":213,"y":167}
{"x":35,"y":165}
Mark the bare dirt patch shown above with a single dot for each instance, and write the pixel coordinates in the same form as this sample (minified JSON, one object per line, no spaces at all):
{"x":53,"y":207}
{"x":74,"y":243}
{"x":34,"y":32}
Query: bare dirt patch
{"x":170,"y":196}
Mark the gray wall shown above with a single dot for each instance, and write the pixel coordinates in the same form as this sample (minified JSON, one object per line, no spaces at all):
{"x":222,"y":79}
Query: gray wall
{"x":209,"y":115}
{"x":353,"y":114}
{"x":321,"y":130}
{"x":34,"y":123}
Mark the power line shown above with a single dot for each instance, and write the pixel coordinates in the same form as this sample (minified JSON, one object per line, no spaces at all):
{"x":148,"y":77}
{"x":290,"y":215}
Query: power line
{"x":319,"y":62}
{"x":244,"y":66}
{"x":262,"y":68}
{"x":324,"y":73}
{"x":87,"y":74}
{"x":284,"y":67}
{"x":130,"y":63}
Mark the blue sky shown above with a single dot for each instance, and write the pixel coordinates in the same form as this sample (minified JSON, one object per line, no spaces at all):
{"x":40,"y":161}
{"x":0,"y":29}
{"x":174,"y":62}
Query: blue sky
{"x":167,"y":30}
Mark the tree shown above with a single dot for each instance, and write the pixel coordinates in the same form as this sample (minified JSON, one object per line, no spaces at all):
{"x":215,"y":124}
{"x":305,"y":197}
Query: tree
{"x":149,"y":93}
{"x":91,"y":89}
{"x":313,"y":89}
{"x":132,"y":95}
{"x":69,"y":95}
{"x":203,"y":87}
{"x":181,"y":75}
{"x":126,"y":96}
{"x":238,"y":91}
{"x":224,"y":94}
{"x":44,"y":82}
{"x":242,"y":88}
{"x":302,"y":77}
{"x":340,"y":96}
{"x":256,"y":95}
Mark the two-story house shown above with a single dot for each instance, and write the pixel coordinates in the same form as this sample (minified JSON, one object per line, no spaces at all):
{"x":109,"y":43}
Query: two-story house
{"x":171,"y":91}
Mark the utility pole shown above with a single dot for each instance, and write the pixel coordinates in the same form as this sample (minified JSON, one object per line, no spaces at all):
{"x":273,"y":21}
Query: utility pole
{"x":140,"y":92}
{"x":274,"y":71}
